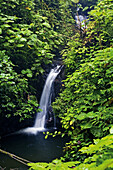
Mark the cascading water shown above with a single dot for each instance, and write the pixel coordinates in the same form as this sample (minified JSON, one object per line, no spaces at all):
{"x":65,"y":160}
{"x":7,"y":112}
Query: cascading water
{"x":45,"y":102}
{"x":45,"y":98}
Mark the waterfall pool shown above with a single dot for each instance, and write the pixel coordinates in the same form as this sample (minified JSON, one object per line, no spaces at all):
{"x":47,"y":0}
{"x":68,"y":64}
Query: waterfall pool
{"x":34,"y":148}
{"x":30,"y":143}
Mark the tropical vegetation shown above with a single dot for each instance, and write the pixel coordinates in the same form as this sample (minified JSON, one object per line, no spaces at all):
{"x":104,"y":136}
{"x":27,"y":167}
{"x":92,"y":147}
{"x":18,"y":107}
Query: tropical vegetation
{"x":32,"y":35}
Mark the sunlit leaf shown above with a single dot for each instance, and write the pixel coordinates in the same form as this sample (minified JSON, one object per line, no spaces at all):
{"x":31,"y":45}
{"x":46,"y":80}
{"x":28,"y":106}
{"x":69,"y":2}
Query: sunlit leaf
{"x":20,"y":45}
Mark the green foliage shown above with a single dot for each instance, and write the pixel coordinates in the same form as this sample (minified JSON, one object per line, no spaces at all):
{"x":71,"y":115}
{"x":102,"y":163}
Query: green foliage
{"x":101,"y":23}
{"x":74,"y":53}
{"x":28,"y":41}
{"x":99,"y":156}
{"x":14,"y":91}
{"x":54,"y":165}
{"x":29,"y":45}
{"x":88,"y":90}
{"x":30,"y":34}
{"x":59,"y":15}
{"x":98,"y":35}
{"x":85,"y":104}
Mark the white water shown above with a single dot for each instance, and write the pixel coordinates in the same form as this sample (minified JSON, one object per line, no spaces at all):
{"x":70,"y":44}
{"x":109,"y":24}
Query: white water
{"x":81,"y":20}
{"x":41,"y":116}
{"x":44,"y":102}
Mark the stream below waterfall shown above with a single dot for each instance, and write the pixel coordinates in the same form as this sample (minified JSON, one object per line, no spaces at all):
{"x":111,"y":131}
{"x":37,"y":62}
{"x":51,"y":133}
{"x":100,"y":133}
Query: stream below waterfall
{"x":34,"y":148}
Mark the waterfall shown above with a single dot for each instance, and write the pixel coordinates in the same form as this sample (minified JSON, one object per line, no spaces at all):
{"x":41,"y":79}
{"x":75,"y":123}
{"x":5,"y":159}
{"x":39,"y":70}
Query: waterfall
{"x":45,"y":102}
{"x":45,"y":98}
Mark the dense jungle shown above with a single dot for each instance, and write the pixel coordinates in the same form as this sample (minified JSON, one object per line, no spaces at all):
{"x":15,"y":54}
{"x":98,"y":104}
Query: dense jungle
{"x":36,"y":34}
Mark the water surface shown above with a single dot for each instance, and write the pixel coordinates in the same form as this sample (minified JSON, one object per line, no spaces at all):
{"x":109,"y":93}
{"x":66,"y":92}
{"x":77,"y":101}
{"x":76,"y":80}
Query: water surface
{"x":32,"y":147}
